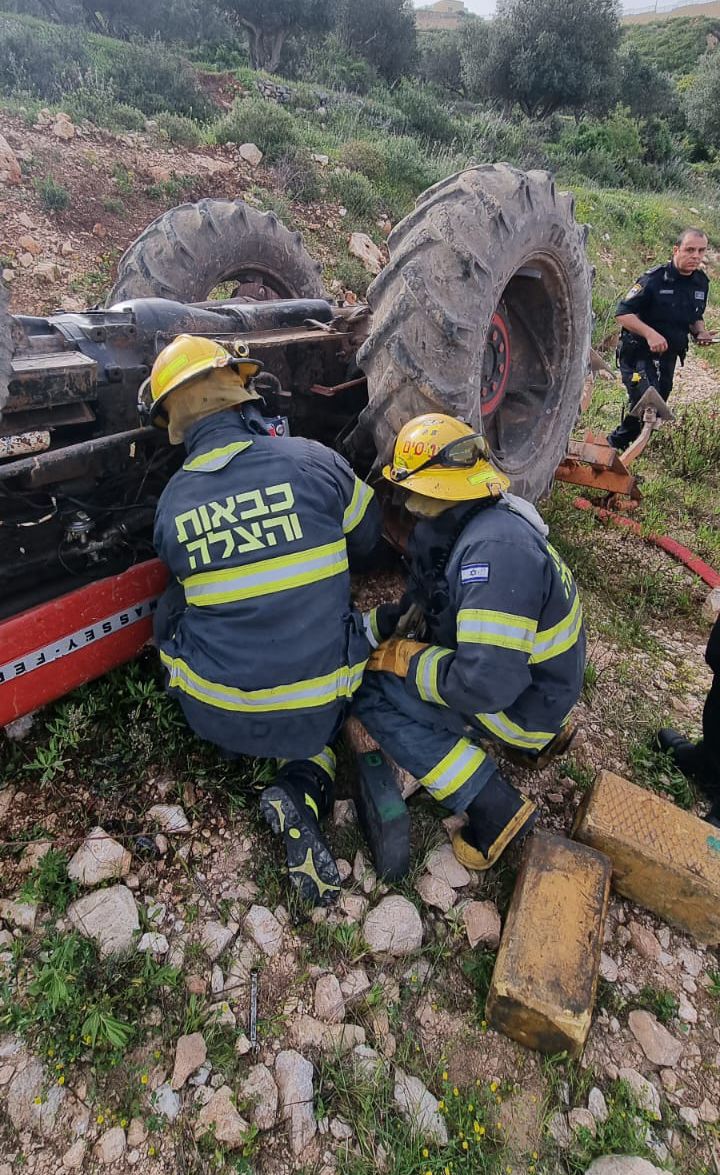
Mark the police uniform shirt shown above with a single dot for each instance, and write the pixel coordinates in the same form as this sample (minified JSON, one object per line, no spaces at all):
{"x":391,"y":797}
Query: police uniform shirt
{"x":667,"y":301}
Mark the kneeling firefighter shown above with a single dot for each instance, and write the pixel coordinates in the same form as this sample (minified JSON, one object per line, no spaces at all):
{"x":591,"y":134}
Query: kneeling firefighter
{"x":507,"y":650}
{"x":262,"y":647}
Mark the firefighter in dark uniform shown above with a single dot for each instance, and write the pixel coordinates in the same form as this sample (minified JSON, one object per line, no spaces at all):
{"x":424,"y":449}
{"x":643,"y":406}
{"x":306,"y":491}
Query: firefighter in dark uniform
{"x":657,"y":315}
{"x":262,"y":647}
{"x":700,"y":761}
{"x":500,"y":653}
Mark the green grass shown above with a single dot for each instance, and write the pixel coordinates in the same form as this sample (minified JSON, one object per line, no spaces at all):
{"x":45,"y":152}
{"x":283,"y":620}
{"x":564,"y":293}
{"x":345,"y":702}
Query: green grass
{"x":72,"y":1005}
{"x":52,"y":195}
{"x":623,"y":1133}
{"x":384,"y":1140}
{"x":654,"y":769}
{"x":49,"y":884}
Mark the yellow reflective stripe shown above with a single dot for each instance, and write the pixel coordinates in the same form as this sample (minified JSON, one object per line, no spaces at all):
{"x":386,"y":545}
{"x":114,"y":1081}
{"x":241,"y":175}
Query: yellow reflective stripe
{"x":355,"y":512}
{"x":372,"y":620}
{"x":454,"y":770}
{"x":551,"y":642}
{"x":277,"y":574}
{"x":299,"y":695}
{"x":326,"y":760}
{"x":215,"y":458}
{"x":311,"y":805}
{"x":482,"y":626}
{"x":426,"y":671}
{"x":509,"y":732}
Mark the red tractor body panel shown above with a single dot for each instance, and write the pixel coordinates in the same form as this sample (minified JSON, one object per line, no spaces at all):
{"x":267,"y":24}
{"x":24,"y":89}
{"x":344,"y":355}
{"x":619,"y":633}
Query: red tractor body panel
{"x":49,"y":650}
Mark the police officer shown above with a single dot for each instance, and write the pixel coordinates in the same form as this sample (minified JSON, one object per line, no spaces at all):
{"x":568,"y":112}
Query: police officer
{"x":656,"y":315}
{"x":261,"y":644}
{"x":506,"y":651}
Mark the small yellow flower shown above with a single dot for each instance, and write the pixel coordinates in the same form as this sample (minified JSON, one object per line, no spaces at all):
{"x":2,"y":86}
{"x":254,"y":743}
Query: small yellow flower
{"x":535,"y":1156}
{"x":493,"y":1087}
{"x":151,"y":1151}
{"x":498,"y":1099}
{"x":425,"y":1153}
{"x":100,"y":1119}
{"x":123,"y":1122}
{"x":456,"y":1091}
{"x":61,"y":1079}
{"x":72,"y":1036}
{"x":483,"y":1023}
{"x":531,"y":1170}
{"x":445,"y":1075}
{"x":144,"y":1079}
{"x":38,"y":1101}
{"x":479,"y":1130}
{"x":478,"y":1081}
{"x":87,"y":1040}
{"x":470,"y":1108}
{"x":465,"y":1145}
{"x":157,"y":1054}
{"x":51,"y":1052}
{"x":441,"y":1104}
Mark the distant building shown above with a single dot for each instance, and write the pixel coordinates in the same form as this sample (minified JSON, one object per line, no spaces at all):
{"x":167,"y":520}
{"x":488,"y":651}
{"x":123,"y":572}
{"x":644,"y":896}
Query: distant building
{"x":444,"y":14}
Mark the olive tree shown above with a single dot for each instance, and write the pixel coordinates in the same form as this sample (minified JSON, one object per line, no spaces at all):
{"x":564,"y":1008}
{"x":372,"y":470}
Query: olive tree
{"x":547,"y":55}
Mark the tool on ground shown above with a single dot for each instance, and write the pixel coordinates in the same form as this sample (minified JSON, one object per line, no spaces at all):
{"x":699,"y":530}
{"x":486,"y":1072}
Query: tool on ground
{"x":546,"y":972}
{"x":663,"y":858}
{"x":594,"y":463}
{"x":252,"y":1027}
{"x":653,"y":411}
{"x":382,"y":811}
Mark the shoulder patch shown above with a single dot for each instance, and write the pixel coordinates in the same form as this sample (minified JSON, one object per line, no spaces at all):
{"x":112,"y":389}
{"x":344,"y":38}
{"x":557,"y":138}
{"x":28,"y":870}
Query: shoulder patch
{"x":636,"y":289}
{"x":475,"y":573}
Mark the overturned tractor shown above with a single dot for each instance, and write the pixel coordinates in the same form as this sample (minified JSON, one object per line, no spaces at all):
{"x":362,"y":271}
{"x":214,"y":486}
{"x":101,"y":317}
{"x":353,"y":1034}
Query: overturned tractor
{"x":483,"y":311}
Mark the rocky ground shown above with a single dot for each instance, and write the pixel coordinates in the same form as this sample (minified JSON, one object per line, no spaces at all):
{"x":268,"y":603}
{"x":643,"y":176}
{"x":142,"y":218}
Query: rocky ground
{"x":372,"y":1051}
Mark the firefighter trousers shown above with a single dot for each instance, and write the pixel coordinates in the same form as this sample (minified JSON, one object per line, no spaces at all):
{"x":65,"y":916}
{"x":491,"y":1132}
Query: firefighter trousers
{"x":434,"y":744}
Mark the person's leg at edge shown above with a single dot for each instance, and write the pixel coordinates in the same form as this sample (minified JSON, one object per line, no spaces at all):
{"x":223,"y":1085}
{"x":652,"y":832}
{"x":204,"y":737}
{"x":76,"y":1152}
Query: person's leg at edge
{"x":456,"y":772}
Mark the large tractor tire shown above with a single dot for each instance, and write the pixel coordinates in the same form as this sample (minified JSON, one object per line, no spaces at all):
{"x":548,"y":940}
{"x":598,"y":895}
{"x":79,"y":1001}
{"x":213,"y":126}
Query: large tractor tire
{"x":484,"y":312}
{"x":191,"y":250}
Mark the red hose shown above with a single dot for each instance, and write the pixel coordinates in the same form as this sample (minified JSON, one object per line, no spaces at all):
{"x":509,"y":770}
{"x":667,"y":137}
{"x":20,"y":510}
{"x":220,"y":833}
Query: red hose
{"x":672,"y":546}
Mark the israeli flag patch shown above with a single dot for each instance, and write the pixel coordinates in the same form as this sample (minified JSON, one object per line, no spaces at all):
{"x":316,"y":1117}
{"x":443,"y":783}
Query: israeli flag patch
{"x":475,"y":572}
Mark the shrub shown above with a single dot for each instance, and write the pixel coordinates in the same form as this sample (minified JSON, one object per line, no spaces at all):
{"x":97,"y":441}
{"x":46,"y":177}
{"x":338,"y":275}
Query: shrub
{"x":355,"y":192}
{"x":425,"y":114}
{"x":96,"y":101}
{"x":181,"y":131}
{"x":365,"y":156}
{"x":53,"y":196}
{"x":253,"y":120}
{"x":50,"y":61}
{"x":297,"y":176}
{"x":39,"y":58}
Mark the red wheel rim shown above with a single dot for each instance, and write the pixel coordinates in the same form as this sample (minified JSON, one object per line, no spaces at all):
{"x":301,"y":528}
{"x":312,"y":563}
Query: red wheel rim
{"x":496,"y":365}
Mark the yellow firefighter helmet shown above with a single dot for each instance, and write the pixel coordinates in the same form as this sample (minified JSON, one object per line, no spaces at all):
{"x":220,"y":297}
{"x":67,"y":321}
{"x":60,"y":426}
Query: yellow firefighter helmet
{"x":440,"y":457}
{"x":188,"y":358}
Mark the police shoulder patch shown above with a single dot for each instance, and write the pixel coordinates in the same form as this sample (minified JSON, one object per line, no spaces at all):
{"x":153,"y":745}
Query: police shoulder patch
{"x":475,"y":572}
{"x":636,"y":289}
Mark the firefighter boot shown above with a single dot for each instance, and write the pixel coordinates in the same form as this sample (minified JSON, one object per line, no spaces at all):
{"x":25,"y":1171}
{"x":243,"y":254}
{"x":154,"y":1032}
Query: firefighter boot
{"x":294,"y":806}
{"x":690,"y":758}
{"x":497,"y":817}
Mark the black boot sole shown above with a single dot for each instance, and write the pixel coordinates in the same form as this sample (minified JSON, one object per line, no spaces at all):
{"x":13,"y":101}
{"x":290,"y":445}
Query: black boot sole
{"x":311,"y":865}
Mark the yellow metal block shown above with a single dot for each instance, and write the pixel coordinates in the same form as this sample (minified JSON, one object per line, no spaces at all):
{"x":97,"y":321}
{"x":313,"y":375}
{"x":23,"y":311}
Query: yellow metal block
{"x":662,"y":858}
{"x":545,"y":978}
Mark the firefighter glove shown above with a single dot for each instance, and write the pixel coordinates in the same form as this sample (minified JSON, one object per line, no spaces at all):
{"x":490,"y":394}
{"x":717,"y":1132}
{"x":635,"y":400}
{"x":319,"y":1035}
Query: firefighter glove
{"x":394,"y":656}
